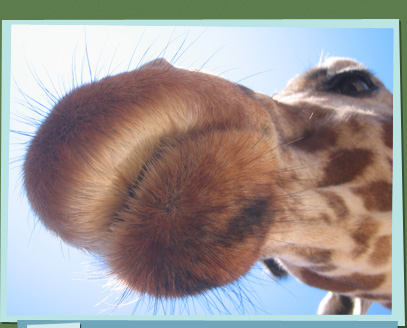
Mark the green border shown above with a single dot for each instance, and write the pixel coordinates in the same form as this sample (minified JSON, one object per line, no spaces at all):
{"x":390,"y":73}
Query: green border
{"x":219,"y":9}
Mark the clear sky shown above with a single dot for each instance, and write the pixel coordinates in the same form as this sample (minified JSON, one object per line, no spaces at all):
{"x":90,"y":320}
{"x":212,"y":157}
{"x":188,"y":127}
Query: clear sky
{"x":47,"y":277}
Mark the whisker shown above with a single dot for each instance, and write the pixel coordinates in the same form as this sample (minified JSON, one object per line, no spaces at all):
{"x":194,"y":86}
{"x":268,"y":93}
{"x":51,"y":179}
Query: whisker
{"x":210,"y":57}
{"x":135,"y":49}
{"x":87,"y":55}
{"x":255,"y":74}
{"x":175,"y":62}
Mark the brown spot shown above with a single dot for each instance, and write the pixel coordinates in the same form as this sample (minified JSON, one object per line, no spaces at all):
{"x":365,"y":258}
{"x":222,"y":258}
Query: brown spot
{"x":319,"y":138}
{"x":325,"y":218}
{"x":252,"y":220}
{"x":314,"y":255}
{"x":362,"y":233}
{"x":345,"y":165}
{"x":377,"y":196}
{"x":293,"y":176}
{"x":388,"y":134}
{"x":341,"y":284}
{"x":381,"y":251}
{"x":336,"y":203}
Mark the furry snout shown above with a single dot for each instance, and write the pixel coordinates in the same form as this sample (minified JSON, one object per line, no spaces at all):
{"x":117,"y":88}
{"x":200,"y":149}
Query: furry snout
{"x":172,"y":187}
{"x":196,"y":216}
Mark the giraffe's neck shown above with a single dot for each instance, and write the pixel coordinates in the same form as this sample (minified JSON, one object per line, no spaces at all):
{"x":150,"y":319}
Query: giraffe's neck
{"x":334,"y":230}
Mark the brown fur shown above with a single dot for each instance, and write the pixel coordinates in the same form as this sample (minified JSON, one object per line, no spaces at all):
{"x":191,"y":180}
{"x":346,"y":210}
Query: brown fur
{"x":180,"y":181}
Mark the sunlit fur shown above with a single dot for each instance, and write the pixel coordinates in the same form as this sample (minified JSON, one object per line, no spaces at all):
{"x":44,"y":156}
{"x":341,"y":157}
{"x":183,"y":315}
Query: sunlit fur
{"x":179,"y":181}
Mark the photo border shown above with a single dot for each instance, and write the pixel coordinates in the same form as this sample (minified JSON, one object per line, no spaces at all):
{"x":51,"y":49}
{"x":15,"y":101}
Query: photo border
{"x":197,"y":320}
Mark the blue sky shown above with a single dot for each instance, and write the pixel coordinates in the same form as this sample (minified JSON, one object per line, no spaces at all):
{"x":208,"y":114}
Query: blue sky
{"x":47,"y":277}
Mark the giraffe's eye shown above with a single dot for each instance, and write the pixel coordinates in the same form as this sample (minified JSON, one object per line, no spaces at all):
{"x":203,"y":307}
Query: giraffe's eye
{"x":351,"y":83}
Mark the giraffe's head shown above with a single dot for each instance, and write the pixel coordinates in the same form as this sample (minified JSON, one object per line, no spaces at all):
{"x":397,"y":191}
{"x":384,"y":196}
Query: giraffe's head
{"x":180,"y":180}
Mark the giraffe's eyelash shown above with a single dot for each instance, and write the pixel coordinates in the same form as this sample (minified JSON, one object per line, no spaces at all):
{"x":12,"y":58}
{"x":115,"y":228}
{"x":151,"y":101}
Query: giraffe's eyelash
{"x":351,"y":83}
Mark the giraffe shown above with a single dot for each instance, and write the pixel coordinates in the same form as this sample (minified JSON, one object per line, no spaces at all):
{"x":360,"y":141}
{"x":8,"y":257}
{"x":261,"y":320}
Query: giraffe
{"x":179,"y":180}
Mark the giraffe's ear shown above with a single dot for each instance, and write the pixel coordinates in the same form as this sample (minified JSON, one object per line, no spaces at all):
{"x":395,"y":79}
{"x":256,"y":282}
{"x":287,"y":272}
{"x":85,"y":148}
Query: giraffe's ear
{"x":335,"y":304}
{"x":157,"y":63}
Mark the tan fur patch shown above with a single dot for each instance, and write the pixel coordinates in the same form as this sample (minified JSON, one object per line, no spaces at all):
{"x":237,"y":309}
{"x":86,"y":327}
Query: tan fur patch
{"x":314,"y":255}
{"x":336,"y":203}
{"x":322,"y":268}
